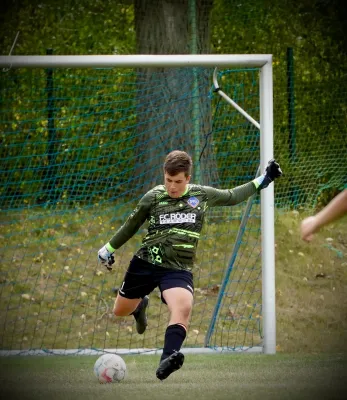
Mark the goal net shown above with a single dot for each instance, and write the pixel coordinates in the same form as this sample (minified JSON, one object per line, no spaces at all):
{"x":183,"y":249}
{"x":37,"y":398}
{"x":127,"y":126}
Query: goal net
{"x":79,"y":148}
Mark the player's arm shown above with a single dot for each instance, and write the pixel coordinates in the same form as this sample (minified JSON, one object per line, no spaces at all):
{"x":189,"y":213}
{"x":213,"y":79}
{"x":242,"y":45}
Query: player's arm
{"x":334,"y":210}
{"x":231,"y":197}
{"x":126,"y":231}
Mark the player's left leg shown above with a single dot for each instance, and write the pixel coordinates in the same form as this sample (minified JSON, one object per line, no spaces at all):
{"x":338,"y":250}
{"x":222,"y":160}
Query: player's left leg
{"x":180,"y":302}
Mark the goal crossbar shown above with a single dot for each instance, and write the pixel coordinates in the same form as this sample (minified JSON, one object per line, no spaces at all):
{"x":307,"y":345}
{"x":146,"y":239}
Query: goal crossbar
{"x":126,"y":61}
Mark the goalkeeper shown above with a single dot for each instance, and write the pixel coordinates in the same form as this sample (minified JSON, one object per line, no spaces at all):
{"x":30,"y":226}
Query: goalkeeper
{"x":175,"y":212}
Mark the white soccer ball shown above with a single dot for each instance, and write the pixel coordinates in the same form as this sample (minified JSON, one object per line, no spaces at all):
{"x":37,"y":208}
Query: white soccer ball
{"x":110,"y":368}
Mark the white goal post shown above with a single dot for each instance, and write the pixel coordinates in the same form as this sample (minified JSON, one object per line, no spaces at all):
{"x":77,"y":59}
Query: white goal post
{"x":261,"y":61}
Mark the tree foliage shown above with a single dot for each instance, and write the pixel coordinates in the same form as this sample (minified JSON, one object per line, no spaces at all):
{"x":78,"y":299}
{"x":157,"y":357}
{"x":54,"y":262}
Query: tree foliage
{"x":315,"y":29}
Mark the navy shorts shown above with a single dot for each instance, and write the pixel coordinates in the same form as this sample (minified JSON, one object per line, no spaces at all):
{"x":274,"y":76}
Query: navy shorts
{"x":143,"y":277}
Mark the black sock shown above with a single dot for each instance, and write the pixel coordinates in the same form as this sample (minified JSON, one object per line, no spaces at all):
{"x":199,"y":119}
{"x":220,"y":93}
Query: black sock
{"x":174,"y":337}
{"x":137,"y":309}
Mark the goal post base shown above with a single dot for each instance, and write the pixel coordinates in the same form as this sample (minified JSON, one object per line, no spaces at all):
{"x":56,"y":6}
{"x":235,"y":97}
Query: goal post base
{"x":139,"y":351}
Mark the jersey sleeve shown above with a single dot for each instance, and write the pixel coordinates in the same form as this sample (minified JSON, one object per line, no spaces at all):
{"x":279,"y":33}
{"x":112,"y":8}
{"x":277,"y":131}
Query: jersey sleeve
{"x":229,"y":197}
{"x":133,"y":222}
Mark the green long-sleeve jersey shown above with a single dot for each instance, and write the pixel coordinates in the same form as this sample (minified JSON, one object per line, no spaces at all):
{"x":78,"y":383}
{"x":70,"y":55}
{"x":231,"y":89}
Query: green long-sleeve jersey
{"x":175,"y":223}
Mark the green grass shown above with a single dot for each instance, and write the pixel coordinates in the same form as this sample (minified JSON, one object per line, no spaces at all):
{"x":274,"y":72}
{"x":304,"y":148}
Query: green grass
{"x":54,"y":294}
{"x":311,"y":281}
{"x":201,"y":377}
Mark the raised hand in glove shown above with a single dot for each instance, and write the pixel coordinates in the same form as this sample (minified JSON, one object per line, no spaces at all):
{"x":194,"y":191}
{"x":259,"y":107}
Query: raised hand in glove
{"x":272,"y":171}
{"x":105,"y":256}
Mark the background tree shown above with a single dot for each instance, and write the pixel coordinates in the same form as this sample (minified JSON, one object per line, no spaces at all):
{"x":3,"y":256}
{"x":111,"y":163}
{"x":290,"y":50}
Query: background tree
{"x":316,"y":30}
{"x":172,"y":27}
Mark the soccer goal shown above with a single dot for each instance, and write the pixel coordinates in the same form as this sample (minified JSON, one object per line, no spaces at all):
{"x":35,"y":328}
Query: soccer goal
{"x":83,"y":138}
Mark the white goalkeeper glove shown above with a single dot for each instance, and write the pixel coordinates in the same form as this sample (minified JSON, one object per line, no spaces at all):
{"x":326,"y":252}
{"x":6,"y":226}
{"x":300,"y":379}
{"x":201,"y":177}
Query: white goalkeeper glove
{"x":105,"y":256}
{"x":272,"y":171}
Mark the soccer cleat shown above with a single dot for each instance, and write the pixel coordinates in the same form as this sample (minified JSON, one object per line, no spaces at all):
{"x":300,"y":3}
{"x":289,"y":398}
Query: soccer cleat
{"x":140,"y":316}
{"x":169,"y":365}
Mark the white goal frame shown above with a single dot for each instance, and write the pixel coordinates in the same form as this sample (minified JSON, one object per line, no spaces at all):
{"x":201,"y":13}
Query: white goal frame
{"x":261,"y":61}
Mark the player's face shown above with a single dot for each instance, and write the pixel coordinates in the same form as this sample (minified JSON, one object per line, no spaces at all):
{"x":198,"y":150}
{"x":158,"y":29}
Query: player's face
{"x":176,"y":185}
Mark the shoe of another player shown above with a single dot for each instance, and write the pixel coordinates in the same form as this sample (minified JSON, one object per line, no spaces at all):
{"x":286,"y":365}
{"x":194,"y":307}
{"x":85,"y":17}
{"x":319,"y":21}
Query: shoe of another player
{"x":140,"y":316}
{"x":169,"y":365}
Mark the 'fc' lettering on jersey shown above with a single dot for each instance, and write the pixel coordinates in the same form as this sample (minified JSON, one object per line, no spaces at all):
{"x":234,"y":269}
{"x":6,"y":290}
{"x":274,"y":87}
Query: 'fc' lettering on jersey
{"x":177,"y":218}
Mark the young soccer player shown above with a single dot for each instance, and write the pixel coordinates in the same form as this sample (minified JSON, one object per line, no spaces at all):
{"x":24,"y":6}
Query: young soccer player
{"x":175,"y":212}
{"x":334,"y":210}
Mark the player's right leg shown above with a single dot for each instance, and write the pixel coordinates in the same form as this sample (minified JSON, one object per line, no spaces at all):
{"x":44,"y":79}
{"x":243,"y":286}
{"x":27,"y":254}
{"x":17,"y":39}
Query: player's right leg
{"x":132,"y":296}
{"x":123,"y":306}
{"x":135,"y":307}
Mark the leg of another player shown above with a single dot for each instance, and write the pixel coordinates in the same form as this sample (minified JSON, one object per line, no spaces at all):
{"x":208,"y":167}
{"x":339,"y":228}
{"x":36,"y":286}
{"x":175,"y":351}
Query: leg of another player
{"x":180,"y":303}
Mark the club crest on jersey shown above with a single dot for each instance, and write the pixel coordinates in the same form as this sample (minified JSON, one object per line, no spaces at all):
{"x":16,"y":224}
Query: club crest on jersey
{"x":193,"y":202}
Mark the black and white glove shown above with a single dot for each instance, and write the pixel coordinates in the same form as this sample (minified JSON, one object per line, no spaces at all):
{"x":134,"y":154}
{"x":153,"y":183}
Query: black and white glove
{"x":106,"y":257}
{"x":272,"y":171}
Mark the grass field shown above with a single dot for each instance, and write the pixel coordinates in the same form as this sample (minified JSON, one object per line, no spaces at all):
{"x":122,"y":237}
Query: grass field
{"x":311,"y":315}
{"x":202,"y":377}
{"x":63,"y":299}
{"x":311,"y":287}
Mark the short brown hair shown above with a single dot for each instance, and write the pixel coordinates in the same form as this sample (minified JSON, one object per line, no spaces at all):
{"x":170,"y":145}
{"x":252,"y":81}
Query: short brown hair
{"x":178,"y":161}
